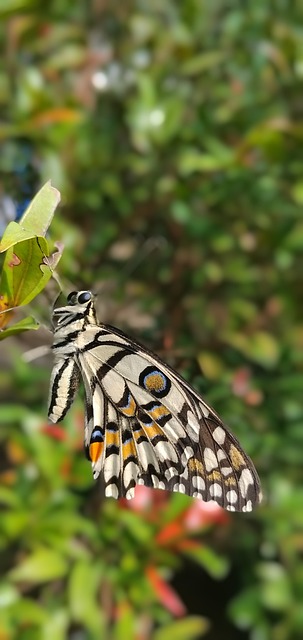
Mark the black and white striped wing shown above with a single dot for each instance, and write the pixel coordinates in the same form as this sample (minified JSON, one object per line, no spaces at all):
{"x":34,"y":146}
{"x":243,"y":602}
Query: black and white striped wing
{"x":146,"y":425}
{"x":64,"y":384}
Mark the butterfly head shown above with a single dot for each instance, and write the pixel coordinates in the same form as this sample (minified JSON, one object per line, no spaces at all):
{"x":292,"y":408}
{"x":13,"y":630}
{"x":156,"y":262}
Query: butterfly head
{"x":79,"y":298}
{"x":79,"y":308}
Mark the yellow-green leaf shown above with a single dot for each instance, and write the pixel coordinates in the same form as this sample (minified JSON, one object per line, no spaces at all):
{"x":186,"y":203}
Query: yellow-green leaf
{"x":261,"y":347}
{"x":43,"y":565}
{"x":23,"y":325}
{"x":24,"y":271}
{"x":189,"y":628}
{"x":35,"y":220}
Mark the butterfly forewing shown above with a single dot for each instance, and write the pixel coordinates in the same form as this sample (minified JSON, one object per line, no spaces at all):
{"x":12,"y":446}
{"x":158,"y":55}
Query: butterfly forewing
{"x":144,"y":424}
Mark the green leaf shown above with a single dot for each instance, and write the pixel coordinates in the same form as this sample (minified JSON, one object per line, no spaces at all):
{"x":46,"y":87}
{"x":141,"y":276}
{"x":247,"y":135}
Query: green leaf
{"x":187,"y":629}
{"x":245,"y":608}
{"x":23,"y":325}
{"x":211,"y":365}
{"x":261,"y":347}
{"x":217,"y":566}
{"x":177,"y":504}
{"x":13,"y":234}
{"x":35,"y":220}
{"x":43,"y":565}
{"x":297,"y":192}
{"x":9,"y":7}
{"x":202,"y":62}
{"x":40,"y":212}
{"x":126,"y":622}
{"x":56,"y":625}
{"x":28,"y":264}
{"x":8,"y":496}
{"x":191,"y":160}
{"x":10,"y":413}
{"x":8,"y":595}
{"x":276,"y":588}
{"x":27,"y":611}
{"x":83,"y":601}
{"x":24,"y":271}
{"x":83,"y":573}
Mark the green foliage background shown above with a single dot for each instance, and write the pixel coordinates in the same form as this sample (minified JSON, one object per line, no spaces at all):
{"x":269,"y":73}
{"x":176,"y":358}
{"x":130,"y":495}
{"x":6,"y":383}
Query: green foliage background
{"x":174,"y":132}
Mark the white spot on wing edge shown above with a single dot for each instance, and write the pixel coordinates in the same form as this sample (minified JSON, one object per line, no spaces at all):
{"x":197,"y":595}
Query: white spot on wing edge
{"x":111,"y":491}
{"x":215,"y":490}
{"x":130,"y":472}
{"x":248,"y":506}
{"x":198,"y":483}
{"x":246,"y":479}
{"x":232,"y":496}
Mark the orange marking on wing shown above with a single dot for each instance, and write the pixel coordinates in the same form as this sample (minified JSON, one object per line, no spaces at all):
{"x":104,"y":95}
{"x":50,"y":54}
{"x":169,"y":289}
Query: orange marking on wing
{"x":236,"y":457}
{"x":157,"y":412}
{"x":154,"y":382}
{"x":130,"y":410}
{"x":129,"y":449}
{"x":95,"y":450}
{"x":112,"y":438}
{"x":196,"y":465}
{"x":230,"y":482}
{"x":214,"y":476}
{"x":152,"y":430}
{"x":138,"y":433}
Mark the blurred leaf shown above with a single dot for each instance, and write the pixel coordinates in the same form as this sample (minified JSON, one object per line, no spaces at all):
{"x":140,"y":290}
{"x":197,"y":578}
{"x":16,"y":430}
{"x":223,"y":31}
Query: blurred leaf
{"x":217,"y":566}
{"x":276,"y":589}
{"x":190,"y":628}
{"x":294,"y":240}
{"x":211,"y":366}
{"x":260,"y":347}
{"x":192,"y":160}
{"x":9,"y":7}
{"x":43,"y":565}
{"x":22,"y":325}
{"x":83,"y":601}
{"x":178,"y":504}
{"x":8,"y":595}
{"x":297,"y":192}
{"x":245,"y":608}
{"x":202,"y":62}
{"x":11,"y":413}
{"x":26,"y":611}
{"x":126,"y":622}
{"x":8,"y":497}
{"x":56,"y":625}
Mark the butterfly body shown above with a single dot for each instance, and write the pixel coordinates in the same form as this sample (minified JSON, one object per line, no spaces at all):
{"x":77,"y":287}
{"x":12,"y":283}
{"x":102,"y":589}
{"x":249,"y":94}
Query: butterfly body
{"x":144,"y":424}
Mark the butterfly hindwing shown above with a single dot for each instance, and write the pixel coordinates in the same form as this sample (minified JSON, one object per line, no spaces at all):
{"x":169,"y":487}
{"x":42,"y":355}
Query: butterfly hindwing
{"x":144,"y":423}
{"x":141,"y":422}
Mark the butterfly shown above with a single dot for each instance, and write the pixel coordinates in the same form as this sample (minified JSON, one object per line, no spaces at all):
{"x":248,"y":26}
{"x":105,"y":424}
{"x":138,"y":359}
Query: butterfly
{"x":144,"y":424}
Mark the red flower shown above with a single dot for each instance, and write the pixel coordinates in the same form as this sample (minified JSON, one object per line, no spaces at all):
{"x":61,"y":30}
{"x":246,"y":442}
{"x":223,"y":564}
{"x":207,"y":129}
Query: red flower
{"x":166,"y":595}
{"x":55,"y":432}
